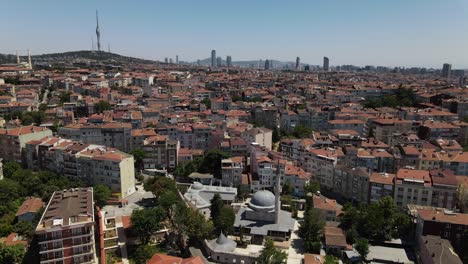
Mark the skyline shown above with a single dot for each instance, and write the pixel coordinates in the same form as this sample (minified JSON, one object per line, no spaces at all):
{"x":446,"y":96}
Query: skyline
{"x":390,"y":33}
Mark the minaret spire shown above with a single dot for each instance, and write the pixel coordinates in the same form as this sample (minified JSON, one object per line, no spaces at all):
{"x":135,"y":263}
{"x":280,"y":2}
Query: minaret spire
{"x":277,"y":193}
{"x":98,"y":32}
{"x":17,"y":58}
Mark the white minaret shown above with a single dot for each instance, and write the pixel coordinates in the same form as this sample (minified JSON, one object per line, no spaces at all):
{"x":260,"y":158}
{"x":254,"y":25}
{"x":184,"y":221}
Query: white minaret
{"x":17,"y":58}
{"x":29,"y":59}
{"x":277,"y":193}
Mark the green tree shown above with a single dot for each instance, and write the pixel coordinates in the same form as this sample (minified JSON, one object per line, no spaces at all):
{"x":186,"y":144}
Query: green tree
{"x":25,"y":229}
{"x":216,"y":204}
{"x":64,"y":97}
{"x":143,"y":253}
{"x":138,"y":155}
{"x":11,"y":254}
{"x":102,"y":193}
{"x":329,"y":259}
{"x":160,"y":184}
{"x":312,"y":187}
{"x":211,"y":162}
{"x":362,"y":247}
{"x":288,"y":188}
{"x":271,"y":255}
{"x":310,"y":229}
{"x":207,"y":103}
{"x":102,"y":106}
{"x":146,"y":222}
{"x":225,"y":220}
{"x":276,"y":135}
{"x":302,"y":132}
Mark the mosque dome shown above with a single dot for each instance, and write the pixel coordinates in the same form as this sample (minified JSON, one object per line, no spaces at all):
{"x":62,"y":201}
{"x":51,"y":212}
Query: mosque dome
{"x":262,"y":201}
{"x":223,"y":244}
{"x":197,"y":186}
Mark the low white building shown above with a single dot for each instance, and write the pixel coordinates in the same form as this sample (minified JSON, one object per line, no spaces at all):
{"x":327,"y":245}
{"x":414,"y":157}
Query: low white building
{"x":199,"y":196}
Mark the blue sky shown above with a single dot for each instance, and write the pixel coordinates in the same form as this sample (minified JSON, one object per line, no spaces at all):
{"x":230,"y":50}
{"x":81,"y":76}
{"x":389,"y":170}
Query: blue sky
{"x":361,"y":32}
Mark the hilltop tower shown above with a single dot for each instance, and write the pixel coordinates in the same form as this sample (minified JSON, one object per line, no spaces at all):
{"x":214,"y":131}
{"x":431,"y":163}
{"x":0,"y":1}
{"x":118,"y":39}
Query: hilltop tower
{"x":98,"y":32}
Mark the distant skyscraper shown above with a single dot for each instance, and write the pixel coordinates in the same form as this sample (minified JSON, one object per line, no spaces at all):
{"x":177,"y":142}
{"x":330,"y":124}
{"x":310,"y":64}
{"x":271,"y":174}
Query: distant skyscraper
{"x":198,"y":62}
{"x":271,"y":64}
{"x":171,"y":61}
{"x":177,"y":59}
{"x":326,"y":64}
{"x":446,"y":70}
{"x":307,"y":67}
{"x":298,"y":63}
{"x":98,"y":32}
{"x":229,"y":61}
{"x":219,"y":62}
{"x":213,"y":58}
{"x":166,"y":60}
{"x":267,"y":64}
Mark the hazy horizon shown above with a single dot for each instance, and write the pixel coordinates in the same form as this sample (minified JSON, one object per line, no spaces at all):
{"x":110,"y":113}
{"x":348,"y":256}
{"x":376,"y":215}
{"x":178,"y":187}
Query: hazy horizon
{"x":382,"y":33}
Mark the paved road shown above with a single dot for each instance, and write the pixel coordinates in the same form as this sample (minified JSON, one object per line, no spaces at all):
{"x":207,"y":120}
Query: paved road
{"x":296,"y":249}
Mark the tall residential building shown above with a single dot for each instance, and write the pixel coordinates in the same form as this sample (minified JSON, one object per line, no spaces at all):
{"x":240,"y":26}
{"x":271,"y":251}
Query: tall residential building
{"x":219,"y":62}
{"x":177,"y":59}
{"x":326,"y":64}
{"x":267,"y":64}
{"x":160,"y":152}
{"x":228,"y":61}
{"x":298,"y":63}
{"x":446,"y":70}
{"x":93,"y":164}
{"x":12,"y":141}
{"x":213,"y":58}
{"x":166,"y":60}
{"x":65,"y":232}
{"x":115,"y":135}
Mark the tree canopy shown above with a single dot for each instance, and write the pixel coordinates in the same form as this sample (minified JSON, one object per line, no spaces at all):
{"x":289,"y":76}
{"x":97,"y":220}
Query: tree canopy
{"x":310,"y":229}
{"x":271,"y":255}
{"x":362,"y":247}
{"x":380,"y":221}
{"x":101,"y":193}
{"x":146,"y":222}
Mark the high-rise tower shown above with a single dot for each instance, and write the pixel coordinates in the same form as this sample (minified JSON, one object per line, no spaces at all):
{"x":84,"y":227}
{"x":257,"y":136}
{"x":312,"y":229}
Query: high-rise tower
{"x":446,"y":70}
{"x":98,"y":32}
{"x":17,"y":58}
{"x":228,"y":61}
{"x":298,"y":63}
{"x":213,"y":58}
{"x":326,"y":63}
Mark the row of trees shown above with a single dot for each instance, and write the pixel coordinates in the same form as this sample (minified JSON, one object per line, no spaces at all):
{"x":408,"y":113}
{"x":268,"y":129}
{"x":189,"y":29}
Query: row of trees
{"x":18,"y":184}
{"x":402,"y":97}
{"x":379,"y":221}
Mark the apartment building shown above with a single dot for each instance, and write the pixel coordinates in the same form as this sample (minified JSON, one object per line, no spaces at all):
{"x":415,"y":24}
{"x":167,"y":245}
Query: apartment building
{"x":380,"y":185}
{"x":412,"y":187}
{"x":160,"y":152}
{"x":231,"y":171}
{"x":328,"y":207}
{"x":14,"y":140}
{"x":65,"y":232}
{"x":352,"y":183}
{"x":384,"y":128}
{"x":261,"y":136}
{"x":115,"y":135}
{"x":444,"y":224}
{"x":321,"y":164}
{"x":94,"y":164}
